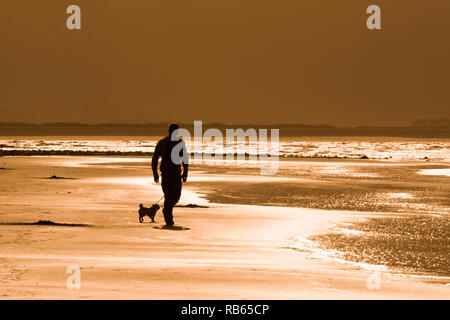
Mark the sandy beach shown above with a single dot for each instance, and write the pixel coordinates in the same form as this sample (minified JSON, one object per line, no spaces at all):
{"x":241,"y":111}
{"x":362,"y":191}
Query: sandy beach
{"x":223,"y":252}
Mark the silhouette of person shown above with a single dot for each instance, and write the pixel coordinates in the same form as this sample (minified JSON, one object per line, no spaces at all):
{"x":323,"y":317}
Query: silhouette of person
{"x":170,"y":168}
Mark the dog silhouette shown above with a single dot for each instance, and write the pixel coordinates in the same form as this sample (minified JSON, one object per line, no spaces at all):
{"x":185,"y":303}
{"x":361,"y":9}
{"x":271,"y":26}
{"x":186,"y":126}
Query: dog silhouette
{"x":150,"y":212}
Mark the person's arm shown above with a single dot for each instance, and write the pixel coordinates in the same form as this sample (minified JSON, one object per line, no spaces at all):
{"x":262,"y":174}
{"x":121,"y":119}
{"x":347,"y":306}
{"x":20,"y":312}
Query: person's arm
{"x":185,"y":160}
{"x":185,"y":172}
{"x":155,"y":159}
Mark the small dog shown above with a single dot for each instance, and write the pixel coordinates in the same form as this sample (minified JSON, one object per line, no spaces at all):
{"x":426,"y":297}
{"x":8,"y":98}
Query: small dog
{"x":150,"y":212}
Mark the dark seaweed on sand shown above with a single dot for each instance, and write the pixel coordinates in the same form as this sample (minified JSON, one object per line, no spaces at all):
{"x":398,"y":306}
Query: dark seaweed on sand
{"x":45,"y":223}
{"x":415,"y":244}
{"x":56,"y":177}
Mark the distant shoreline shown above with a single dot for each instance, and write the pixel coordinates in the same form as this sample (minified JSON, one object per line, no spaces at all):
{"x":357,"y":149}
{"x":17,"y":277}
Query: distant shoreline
{"x":158,"y":129}
{"x":21,"y":153}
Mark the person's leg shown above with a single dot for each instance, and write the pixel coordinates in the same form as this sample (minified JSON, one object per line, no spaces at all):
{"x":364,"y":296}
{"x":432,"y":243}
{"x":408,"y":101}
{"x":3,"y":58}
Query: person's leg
{"x":174,"y":195}
{"x":172,"y":184}
{"x":168,"y":217}
{"x":176,"y":191}
{"x":167,"y":210}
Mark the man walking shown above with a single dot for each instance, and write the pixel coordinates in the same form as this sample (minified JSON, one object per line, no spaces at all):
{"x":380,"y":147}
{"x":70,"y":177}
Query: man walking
{"x":170,"y":168}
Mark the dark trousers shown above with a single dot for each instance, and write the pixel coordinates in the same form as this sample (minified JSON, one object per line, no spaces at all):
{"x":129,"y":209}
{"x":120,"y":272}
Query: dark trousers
{"x":171,"y":185}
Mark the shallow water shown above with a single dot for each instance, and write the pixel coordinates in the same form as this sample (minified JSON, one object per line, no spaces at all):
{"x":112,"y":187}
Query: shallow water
{"x":436,"y":172}
{"x":335,"y":185}
{"x":418,"y":244}
{"x":416,"y":241}
{"x":297,"y":147}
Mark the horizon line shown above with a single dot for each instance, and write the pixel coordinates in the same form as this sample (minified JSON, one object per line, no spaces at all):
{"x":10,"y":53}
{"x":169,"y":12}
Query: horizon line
{"x":415,"y":123}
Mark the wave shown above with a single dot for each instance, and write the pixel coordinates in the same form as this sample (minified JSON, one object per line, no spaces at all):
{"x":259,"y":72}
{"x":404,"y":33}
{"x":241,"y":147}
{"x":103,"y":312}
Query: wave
{"x":336,"y":148}
{"x":236,"y":156}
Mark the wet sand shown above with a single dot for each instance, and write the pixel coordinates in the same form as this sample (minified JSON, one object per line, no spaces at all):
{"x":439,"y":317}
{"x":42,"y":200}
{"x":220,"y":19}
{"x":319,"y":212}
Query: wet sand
{"x":225,"y":252}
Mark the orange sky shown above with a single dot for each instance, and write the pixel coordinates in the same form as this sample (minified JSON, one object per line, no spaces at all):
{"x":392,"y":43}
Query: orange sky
{"x":225,"y":61}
